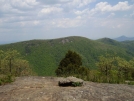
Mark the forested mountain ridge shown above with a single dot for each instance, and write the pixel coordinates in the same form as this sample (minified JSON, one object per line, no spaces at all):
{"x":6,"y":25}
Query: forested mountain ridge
{"x":127,"y":45}
{"x":45,"y":55}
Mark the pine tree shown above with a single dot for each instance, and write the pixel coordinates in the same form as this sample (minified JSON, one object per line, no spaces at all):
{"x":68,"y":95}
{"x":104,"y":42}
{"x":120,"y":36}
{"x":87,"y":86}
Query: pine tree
{"x":69,"y":64}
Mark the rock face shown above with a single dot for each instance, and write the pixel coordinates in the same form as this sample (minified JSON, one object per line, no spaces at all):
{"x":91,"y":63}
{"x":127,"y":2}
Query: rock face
{"x":70,"y":81}
{"x":47,"y":89}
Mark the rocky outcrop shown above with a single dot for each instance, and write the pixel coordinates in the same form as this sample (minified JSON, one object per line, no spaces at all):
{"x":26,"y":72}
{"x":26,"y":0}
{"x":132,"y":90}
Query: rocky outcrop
{"x":70,"y":81}
{"x":47,"y":89}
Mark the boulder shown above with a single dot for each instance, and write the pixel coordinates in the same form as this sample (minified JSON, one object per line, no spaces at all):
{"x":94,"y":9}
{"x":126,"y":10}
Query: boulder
{"x":70,"y":81}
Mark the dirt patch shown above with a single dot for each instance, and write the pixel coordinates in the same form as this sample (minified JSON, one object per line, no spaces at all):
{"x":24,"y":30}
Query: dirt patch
{"x":47,"y":89}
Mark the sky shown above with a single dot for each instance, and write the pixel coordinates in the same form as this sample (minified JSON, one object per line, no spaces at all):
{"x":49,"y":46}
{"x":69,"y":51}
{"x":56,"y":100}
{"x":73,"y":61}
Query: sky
{"x":48,"y":19}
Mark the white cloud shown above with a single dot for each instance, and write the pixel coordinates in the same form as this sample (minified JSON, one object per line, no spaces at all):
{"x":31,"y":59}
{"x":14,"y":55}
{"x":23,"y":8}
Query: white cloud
{"x":23,"y":3}
{"x":111,"y":15}
{"x":79,"y":3}
{"x":106,"y":7}
{"x":64,"y":14}
{"x":45,"y":11}
{"x":49,"y":10}
{"x":53,"y":2}
{"x":16,"y":5}
{"x":85,"y":2}
{"x":4,"y":7}
{"x":36,"y":22}
{"x":81,"y":12}
{"x":115,"y":23}
{"x":75,"y":3}
{"x":132,"y":14}
{"x":122,"y":6}
{"x":67,"y":22}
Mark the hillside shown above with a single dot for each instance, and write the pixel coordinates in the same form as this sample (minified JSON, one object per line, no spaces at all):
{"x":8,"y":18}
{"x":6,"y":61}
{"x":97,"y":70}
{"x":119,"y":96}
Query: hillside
{"x":45,"y":55}
{"x":47,"y":89}
{"x":109,"y":41}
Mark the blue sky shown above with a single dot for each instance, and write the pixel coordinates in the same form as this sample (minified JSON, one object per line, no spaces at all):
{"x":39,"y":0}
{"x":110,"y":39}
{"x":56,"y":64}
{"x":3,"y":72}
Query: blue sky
{"x":47,"y":19}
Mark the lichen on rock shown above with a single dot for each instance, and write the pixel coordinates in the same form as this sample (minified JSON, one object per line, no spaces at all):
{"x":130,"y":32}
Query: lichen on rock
{"x":70,"y":81}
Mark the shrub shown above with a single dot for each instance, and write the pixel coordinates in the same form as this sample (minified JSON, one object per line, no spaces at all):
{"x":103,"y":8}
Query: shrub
{"x":131,"y":83}
{"x":76,"y":84}
{"x":6,"y":79}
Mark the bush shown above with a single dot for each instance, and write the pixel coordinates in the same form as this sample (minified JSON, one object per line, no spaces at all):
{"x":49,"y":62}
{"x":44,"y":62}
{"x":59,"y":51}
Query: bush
{"x":76,"y":84}
{"x":131,"y":83}
{"x":4,"y":79}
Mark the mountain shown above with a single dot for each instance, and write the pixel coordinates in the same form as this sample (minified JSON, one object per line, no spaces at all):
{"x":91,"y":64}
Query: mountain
{"x":45,"y":55}
{"x":124,"y":38}
{"x":109,"y":41}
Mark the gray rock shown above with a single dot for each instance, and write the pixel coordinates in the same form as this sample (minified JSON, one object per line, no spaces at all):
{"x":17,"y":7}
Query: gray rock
{"x":69,"y":81}
{"x":46,"y":89}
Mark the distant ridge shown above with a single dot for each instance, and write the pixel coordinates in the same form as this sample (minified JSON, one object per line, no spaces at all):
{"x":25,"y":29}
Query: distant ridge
{"x":124,"y":38}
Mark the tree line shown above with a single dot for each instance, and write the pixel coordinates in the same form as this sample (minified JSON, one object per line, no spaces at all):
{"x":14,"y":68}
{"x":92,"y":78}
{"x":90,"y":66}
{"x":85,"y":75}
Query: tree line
{"x":110,"y":68}
{"x":114,"y":69}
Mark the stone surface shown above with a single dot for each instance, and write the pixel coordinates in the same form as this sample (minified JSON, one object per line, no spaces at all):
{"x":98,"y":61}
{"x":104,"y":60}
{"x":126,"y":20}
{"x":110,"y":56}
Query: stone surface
{"x":69,"y":81}
{"x":47,"y":89}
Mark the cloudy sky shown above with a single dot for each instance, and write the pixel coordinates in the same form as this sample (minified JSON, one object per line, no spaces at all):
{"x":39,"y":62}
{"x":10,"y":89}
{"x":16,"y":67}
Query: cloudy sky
{"x":47,"y":19}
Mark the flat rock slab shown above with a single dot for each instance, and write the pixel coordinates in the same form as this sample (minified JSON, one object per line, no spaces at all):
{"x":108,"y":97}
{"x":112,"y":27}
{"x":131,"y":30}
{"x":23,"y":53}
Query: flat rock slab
{"x":47,"y":89}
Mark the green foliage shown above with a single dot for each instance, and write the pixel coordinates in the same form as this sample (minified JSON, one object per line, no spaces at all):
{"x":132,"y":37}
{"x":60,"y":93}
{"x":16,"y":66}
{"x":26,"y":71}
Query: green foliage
{"x":45,"y":55}
{"x":94,"y":76}
{"x":11,"y":65}
{"x":10,"y":56}
{"x":124,"y":68}
{"x":71,"y":58}
{"x":132,"y":73}
{"x":76,"y":84}
{"x":113,"y":69}
{"x":83,"y":73}
{"x":6,"y":79}
{"x":70,"y":65}
{"x":131,"y":83}
{"x":105,"y":65}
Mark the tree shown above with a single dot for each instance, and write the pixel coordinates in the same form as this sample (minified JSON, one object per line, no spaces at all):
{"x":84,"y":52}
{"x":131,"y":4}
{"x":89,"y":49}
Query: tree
{"x":115,"y":69}
{"x":22,"y":68}
{"x":69,"y":65}
{"x":124,"y":68}
{"x":105,"y":65}
{"x":131,"y":62}
{"x":10,"y":56}
{"x":1,"y":57}
{"x":12,"y":63}
{"x":71,"y":58}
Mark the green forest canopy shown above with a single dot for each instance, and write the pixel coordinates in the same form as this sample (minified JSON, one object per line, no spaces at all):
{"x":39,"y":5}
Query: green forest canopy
{"x":45,"y":55}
